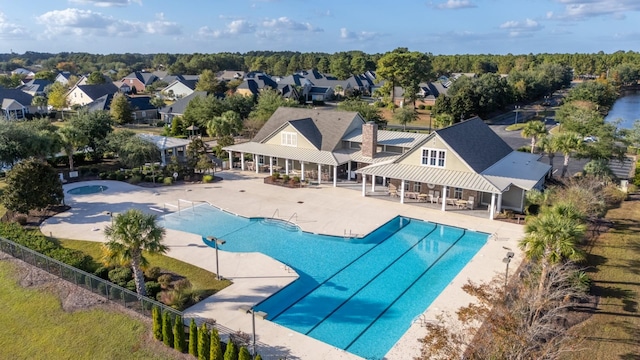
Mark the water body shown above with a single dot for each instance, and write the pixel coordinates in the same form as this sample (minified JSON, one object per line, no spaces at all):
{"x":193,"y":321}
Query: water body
{"x":627,"y":109}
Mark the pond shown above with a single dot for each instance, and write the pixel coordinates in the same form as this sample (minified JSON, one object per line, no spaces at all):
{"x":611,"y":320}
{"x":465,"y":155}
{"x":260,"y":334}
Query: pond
{"x":626,"y":109}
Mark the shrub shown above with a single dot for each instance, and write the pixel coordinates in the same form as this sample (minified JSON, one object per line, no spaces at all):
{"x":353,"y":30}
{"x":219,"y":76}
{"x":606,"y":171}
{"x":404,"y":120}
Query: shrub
{"x":193,"y":338}
{"x":422,"y":107}
{"x":135,"y":179}
{"x":75,"y":258}
{"x":152,"y":273}
{"x":21,"y":219}
{"x":103,"y":176}
{"x":207,"y":178}
{"x":285,"y":178}
{"x":120,"y":276}
{"x":258,"y":357}
{"x":165,"y":280}
{"x":216,"y":347}
{"x":111,"y":176}
{"x":182,"y":284}
{"x":203,"y":342}
{"x":102,"y":272}
{"x":167,"y":329}
{"x":168,"y":180}
{"x":179,"y":341}
{"x":296,"y":179}
{"x":175,"y":298}
{"x":429,"y":107}
{"x":244,"y":354}
{"x":131,"y":285}
{"x":230,"y":353}
{"x":94,"y":171}
{"x":120,"y":176}
{"x":157,"y":323}
{"x":153,"y":288}
{"x":148,"y":178}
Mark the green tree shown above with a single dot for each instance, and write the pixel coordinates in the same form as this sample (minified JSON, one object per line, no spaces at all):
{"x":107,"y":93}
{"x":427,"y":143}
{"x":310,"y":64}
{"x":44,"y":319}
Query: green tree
{"x":209,"y":82}
{"x":132,"y":233}
{"x":406,"y":69}
{"x":32,"y":184}
{"x":567,"y":144}
{"x":215,"y":352}
{"x":132,"y":150}
{"x":443,"y":120}
{"x":598,"y":92}
{"x":534,"y":130}
{"x":340,"y":66}
{"x":368,"y":112}
{"x":231,"y":353}
{"x":548,"y":146}
{"x":552,"y":237}
{"x":203,"y":342}
{"x":179,"y":341}
{"x":46,"y":75}
{"x":57,"y":96}
{"x":269,"y":101}
{"x":167,"y":329}
{"x":71,"y":140}
{"x":39,"y":101}
{"x":96,"y":77}
{"x":258,"y":357}
{"x":244,"y":354}
{"x":193,"y":338}
{"x":95,"y":126}
{"x":120,"y":110}
{"x":404,"y":116}
{"x":228,"y":124}
{"x":157,"y":323}
{"x":157,"y":102}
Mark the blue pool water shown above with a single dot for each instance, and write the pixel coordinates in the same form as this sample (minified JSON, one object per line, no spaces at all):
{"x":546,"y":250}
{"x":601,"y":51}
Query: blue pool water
{"x":86,"y":190}
{"x":359,"y":295}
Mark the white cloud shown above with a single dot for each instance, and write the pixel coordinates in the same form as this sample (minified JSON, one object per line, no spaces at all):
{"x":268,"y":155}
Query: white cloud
{"x":517,"y":28}
{"x":360,"y":36}
{"x":108,"y":3}
{"x":235,"y":27}
{"x":284,"y":23}
{"x":12,"y":31}
{"x":583,"y":9}
{"x":89,"y":23}
{"x":455,"y":4}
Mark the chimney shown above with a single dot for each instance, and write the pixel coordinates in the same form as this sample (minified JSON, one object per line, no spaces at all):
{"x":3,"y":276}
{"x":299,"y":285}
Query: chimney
{"x":369,"y":139}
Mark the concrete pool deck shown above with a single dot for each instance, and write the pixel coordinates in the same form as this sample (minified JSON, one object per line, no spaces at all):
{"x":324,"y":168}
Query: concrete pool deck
{"x":320,"y":209}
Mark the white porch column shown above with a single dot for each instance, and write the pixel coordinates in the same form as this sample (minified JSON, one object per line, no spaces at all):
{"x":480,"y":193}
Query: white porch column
{"x":493,"y":206}
{"x":499,"y":204}
{"x":373,"y":183}
{"x":349,"y":170}
{"x":335,"y":175}
{"x":255,"y":162}
{"x":384,"y":181}
{"x":364,"y":188}
{"x":270,"y":165}
{"x":286,"y":166}
{"x":319,"y":173}
{"x":230,"y":160}
{"x":402,"y":192}
{"x":444,"y":198}
{"x":302,"y":170}
{"x":242,"y":161}
{"x":163,"y":156}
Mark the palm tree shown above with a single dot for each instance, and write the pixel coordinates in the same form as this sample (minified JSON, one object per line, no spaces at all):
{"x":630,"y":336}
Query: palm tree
{"x":567,"y":143}
{"x":552,"y":237}
{"x":71,"y":139}
{"x":548,"y":146}
{"x":534,"y":130}
{"x":131,"y":233}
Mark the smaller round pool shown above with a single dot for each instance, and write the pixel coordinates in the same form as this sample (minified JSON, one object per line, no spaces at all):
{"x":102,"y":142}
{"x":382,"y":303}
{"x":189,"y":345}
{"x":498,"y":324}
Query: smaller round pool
{"x":90,"y":189}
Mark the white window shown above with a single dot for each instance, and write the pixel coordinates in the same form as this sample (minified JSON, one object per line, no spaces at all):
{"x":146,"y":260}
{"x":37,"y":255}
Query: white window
{"x":457,"y":193}
{"x":417,"y":187}
{"x":289,"y":138}
{"x":433,"y":157}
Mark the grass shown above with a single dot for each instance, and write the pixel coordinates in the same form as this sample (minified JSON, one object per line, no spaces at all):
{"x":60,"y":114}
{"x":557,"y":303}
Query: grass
{"x":424,"y":117}
{"x":36,"y":327}
{"x":3,"y":210}
{"x":613,"y":332}
{"x":200,"y":279}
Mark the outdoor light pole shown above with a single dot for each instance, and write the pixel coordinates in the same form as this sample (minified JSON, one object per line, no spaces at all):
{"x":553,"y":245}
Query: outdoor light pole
{"x":507,"y":260}
{"x":517,"y":109}
{"x":110,"y":215}
{"x":253,"y":338}
{"x":216,"y":242}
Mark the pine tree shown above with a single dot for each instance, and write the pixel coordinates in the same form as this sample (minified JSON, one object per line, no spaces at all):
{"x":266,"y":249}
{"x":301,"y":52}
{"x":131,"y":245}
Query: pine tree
{"x":258,"y":357}
{"x":167,"y":329}
{"x":244,"y":354}
{"x":203,"y":342}
{"x":157,"y":323}
{"x":193,"y":338}
{"x":216,"y":347}
{"x":231,"y":353}
{"x":178,"y":335}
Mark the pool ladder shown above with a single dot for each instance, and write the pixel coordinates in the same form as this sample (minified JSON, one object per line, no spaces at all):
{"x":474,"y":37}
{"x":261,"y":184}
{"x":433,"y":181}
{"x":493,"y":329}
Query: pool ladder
{"x":295,"y":215}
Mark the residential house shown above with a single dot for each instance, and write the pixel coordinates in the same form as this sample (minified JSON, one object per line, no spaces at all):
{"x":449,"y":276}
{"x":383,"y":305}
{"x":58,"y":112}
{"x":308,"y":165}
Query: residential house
{"x":15,"y":103}
{"x":123,"y":87}
{"x":23,"y":72}
{"x":228,"y":75}
{"x":35,"y":87}
{"x":180,"y":87}
{"x":139,"y":80}
{"x":178,"y":108}
{"x":466,"y":164}
{"x":84,"y":94}
{"x":84,"y":78}
{"x":254,"y":83}
{"x":142,"y":110}
{"x":63,"y":77}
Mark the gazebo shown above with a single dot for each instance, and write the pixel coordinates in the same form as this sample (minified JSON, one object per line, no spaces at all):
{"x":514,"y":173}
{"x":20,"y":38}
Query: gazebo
{"x":168,"y":146}
{"x":193,"y":129}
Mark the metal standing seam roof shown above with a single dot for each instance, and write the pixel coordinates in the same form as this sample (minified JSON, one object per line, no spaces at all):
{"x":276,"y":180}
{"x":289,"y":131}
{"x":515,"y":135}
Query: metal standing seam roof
{"x":432,"y":175}
{"x":518,"y":168}
{"x":286,"y":152}
{"x":164,"y":142}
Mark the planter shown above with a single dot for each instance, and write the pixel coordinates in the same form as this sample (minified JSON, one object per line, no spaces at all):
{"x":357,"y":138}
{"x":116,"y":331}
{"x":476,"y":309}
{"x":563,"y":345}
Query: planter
{"x":280,"y":182}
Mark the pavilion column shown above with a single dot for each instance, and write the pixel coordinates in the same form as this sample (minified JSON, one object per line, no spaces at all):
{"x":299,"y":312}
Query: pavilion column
{"x":493,"y":206}
{"x":319,"y":173}
{"x":163,"y":156}
{"x":373,"y":183}
{"x":255,"y":162}
{"x":230,"y":160}
{"x":402,"y":192}
{"x":270,"y":165}
{"x":444,"y":198}
{"x":335,"y":175}
{"x":499,"y":203}
{"x":384,"y":181}
{"x":364,"y":188}
{"x":349,"y":170}
{"x":302,"y":170}
{"x":286,"y":166}
{"x":242,"y":161}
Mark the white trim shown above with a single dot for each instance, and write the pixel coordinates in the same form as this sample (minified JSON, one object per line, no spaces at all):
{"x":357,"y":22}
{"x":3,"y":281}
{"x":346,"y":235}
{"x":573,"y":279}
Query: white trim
{"x":288,"y":138}
{"x":434,"y":157}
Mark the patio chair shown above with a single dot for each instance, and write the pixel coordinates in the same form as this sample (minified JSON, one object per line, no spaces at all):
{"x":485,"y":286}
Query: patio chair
{"x":470,"y":203}
{"x":436,"y":197}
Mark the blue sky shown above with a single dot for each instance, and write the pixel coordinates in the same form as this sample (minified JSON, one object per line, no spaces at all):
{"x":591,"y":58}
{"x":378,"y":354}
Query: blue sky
{"x":373,"y":26}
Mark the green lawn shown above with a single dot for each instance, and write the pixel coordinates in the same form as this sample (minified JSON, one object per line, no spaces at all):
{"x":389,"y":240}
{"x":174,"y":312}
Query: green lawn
{"x":3,"y":184}
{"x":613,"y":332}
{"x":34,"y":326}
{"x":200,"y":279}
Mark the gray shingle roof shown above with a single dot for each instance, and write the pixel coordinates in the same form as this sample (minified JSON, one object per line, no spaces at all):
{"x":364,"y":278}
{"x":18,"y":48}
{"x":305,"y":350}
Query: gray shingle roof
{"x":309,"y":130}
{"x":475,"y":143}
{"x":97,"y":90}
{"x":18,"y":95}
{"x":331,"y":124}
{"x":180,"y":106}
{"x":101,"y":103}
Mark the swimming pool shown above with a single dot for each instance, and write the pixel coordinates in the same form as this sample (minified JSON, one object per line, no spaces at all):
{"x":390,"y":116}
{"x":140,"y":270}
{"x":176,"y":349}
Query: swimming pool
{"x":86,"y":190}
{"x":359,"y":295}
